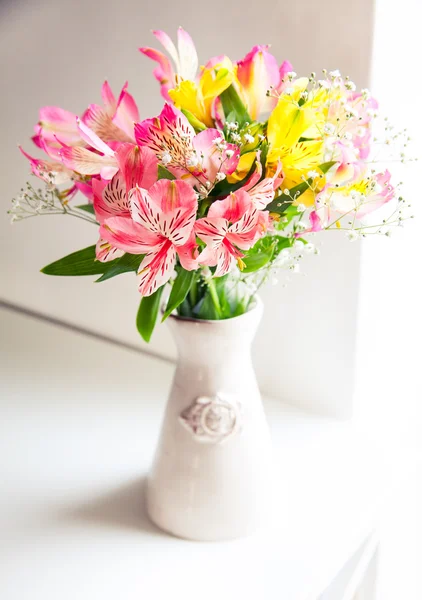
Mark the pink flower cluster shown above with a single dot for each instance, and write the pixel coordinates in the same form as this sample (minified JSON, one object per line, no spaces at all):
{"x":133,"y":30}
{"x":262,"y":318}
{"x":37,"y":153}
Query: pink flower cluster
{"x":113,"y":157}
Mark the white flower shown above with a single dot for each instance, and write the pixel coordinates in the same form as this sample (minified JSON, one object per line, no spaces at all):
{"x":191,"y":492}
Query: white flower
{"x":220,"y":176}
{"x":295,"y":268}
{"x":249,"y":139}
{"x":309,"y":248}
{"x":352,"y":235}
{"x":229,"y":153}
{"x":232,"y":126}
{"x":192,"y":160}
{"x":350,"y":86}
{"x":366,"y":94}
{"x":323,"y":84}
{"x":301,"y":208}
{"x":166,"y":158}
{"x":288,"y":91}
{"x":312,"y":174}
{"x":236,"y":138}
{"x":329,"y":128}
{"x":334,"y":74}
{"x":291,"y":75}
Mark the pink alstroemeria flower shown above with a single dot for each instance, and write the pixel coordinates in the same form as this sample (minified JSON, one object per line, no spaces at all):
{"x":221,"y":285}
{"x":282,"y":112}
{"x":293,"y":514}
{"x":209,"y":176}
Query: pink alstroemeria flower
{"x":185,"y":60}
{"x":316,"y":224}
{"x":231,"y":224}
{"x":262,"y":192}
{"x":113,"y":122}
{"x":87,"y":162}
{"x":363,"y":197}
{"x":137,"y":167}
{"x":161,"y":226}
{"x":198,"y":159}
{"x":257,"y":73}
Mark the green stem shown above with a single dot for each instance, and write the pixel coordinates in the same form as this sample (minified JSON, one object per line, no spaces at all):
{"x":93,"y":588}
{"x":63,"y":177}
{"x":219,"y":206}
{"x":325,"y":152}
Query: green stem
{"x":214,"y":296}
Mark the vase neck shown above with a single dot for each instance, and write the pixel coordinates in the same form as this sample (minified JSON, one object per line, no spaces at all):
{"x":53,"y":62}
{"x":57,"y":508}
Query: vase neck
{"x":216,"y":341}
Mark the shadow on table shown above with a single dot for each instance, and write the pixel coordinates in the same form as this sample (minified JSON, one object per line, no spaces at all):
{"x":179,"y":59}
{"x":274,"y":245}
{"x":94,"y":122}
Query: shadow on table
{"x":123,"y":507}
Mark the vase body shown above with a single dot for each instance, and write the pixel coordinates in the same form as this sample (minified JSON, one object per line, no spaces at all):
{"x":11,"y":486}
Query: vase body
{"x":212,"y":472}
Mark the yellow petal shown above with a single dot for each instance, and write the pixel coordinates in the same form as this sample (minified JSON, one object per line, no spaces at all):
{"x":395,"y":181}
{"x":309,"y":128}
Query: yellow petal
{"x":245,"y":164}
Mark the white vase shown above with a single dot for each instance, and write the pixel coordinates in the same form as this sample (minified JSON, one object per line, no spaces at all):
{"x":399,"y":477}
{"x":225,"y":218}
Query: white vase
{"x":211,"y":476}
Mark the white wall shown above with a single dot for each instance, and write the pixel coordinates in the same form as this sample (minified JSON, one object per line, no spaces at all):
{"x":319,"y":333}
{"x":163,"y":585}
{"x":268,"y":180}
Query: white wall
{"x":60,"y":52}
{"x":389,"y":398}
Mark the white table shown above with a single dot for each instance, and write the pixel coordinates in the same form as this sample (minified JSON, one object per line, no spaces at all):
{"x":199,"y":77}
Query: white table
{"x":79,"y":423}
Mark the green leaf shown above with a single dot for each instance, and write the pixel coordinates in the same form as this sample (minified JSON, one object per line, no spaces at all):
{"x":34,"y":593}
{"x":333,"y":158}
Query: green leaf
{"x":82,"y":262}
{"x":194,"y":121}
{"x":257,"y":261}
{"x":179,"y":291}
{"x":164,"y":173}
{"x":89,"y":208}
{"x":124,"y":264}
{"x":233,"y":105}
{"x":147,"y":313}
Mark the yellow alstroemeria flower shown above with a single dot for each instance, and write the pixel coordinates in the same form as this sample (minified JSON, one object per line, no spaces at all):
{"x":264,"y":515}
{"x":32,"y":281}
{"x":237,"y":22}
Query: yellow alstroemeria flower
{"x":198,"y":98}
{"x":293,"y":118}
{"x":244,"y":166}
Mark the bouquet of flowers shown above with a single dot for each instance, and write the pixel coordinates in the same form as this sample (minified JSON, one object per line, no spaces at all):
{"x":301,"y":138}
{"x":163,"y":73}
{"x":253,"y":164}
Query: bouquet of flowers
{"x":245,"y":162}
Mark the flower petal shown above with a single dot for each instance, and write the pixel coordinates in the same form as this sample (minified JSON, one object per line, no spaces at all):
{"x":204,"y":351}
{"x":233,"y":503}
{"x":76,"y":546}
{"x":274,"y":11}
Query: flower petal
{"x":105,"y":252}
{"x":86,"y":162}
{"x":109,"y":99}
{"x":127,"y":235}
{"x":139,"y":165}
{"x":156,"y":268}
{"x":211,"y":230}
{"x":188,"y":57}
{"x":56,"y":121}
{"x":110,"y":200}
{"x":127,"y":114}
{"x":92,"y":139}
{"x":100,"y":121}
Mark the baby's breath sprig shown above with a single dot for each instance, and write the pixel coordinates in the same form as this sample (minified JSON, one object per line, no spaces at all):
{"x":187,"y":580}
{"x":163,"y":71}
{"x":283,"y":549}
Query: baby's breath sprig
{"x":36,"y":202}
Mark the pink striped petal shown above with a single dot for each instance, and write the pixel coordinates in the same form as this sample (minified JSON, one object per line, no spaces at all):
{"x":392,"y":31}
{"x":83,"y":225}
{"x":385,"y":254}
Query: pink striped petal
{"x":143,"y":210}
{"x":127,"y":235}
{"x":211,"y":230}
{"x":233,"y":207}
{"x":219,"y":257}
{"x":100,"y":121}
{"x":110,"y":199}
{"x":156,"y":268}
{"x":170,"y":195}
{"x":188,"y":253}
{"x":139,"y":165}
{"x":104,"y":252}
{"x":170,"y":134}
{"x":86,"y":162}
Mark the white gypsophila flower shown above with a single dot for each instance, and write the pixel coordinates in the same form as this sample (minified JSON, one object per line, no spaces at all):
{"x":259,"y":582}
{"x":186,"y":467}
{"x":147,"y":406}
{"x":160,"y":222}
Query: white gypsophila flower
{"x":249,"y":139}
{"x":329,"y":128}
{"x":229,"y":153}
{"x":301,"y":208}
{"x":220,"y":176}
{"x":312,"y":174}
{"x":166,"y":158}
{"x":352,"y":235}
